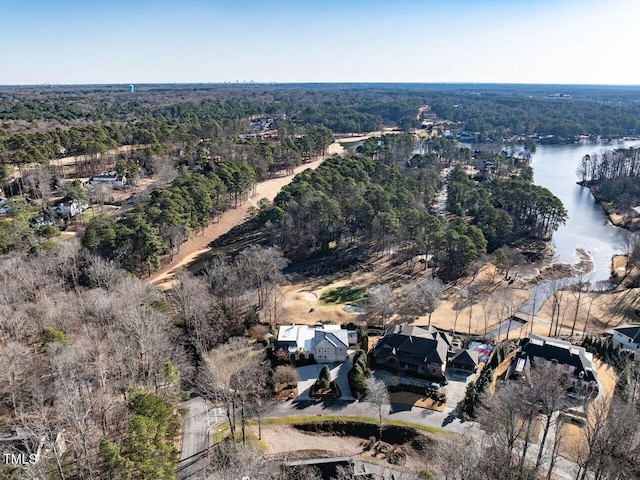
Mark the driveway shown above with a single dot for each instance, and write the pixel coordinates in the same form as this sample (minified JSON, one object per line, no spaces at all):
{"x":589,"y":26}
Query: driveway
{"x":457,"y":386}
{"x":309,"y":374}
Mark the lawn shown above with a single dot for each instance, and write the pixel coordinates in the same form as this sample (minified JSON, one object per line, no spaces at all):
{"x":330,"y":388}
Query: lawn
{"x":339,"y":418}
{"x":345,"y":294}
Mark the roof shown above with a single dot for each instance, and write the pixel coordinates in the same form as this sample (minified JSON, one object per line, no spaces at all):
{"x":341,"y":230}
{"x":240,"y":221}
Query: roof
{"x":304,"y":337}
{"x":564,"y":353}
{"x":465,"y":357}
{"x":414,"y":345}
{"x":632,"y":331}
{"x":334,"y":338}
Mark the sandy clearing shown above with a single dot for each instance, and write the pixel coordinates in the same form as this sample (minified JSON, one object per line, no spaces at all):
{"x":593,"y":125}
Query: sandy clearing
{"x":605,"y":310}
{"x":574,"y":443}
{"x":285,"y":439}
{"x":197,"y":247}
{"x":608,"y":378}
{"x":298,"y":303}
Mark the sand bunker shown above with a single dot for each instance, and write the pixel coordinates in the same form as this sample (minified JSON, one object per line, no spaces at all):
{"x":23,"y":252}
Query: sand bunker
{"x":354,"y":309}
{"x":312,"y":297}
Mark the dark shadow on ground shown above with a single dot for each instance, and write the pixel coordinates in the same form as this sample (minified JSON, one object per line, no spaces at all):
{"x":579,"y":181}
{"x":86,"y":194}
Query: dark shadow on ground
{"x":453,"y":414}
{"x":399,"y":407}
{"x":302,"y":404}
{"x":336,"y":405}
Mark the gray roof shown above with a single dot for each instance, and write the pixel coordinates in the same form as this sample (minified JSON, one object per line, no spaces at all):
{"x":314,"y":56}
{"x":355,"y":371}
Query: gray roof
{"x":330,"y":337}
{"x":465,"y":357}
{"x":414,"y":345}
{"x":632,"y":331}
{"x":552,"y":349}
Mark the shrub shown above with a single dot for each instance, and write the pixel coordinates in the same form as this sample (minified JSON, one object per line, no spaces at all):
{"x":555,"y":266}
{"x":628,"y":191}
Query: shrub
{"x":332,"y":390}
{"x":285,"y":375}
{"x":357,"y":382}
{"x":357,"y":376}
{"x":51,"y":334}
{"x":393,"y":434}
{"x":604,"y":349}
{"x":281,"y":356}
{"x":425,"y":475}
{"x":475,"y":393}
{"x":500,"y":352}
{"x":324,"y":379}
{"x":47,"y":231}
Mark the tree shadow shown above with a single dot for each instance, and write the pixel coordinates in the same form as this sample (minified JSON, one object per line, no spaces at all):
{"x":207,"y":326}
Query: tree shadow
{"x":302,"y":404}
{"x":453,"y":415}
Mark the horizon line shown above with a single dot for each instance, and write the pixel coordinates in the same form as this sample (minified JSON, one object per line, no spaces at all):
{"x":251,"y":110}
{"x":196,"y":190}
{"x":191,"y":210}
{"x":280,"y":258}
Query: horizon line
{"x":51,"y":85}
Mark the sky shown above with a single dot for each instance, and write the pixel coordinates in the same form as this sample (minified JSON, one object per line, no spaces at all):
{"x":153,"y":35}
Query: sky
{"x":212,"y":41}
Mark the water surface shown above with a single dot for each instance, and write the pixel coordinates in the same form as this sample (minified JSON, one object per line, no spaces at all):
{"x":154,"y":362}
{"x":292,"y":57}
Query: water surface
{"x":554,"y":167}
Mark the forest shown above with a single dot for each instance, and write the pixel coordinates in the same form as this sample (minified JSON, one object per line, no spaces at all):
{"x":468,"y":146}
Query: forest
{"x":613,"y":177}
{"x":383,"y":200}
{"x":91,"y":350}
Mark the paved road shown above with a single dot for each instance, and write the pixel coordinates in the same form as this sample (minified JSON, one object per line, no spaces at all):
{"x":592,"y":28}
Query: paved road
{"x":199,"y":424}
{"x":447,"y":420}
{"x":399,"y":412}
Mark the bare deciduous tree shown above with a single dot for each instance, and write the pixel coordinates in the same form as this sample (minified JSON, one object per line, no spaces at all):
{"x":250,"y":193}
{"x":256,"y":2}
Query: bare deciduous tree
{"x":378,"y":395}
{"x":382,"y":302}
{"x":233,"y":376}
{"x":262,"y":269}
{"x":422,"y":296}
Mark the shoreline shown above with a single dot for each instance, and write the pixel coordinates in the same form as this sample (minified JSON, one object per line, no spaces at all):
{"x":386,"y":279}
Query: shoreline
{"x":610,"y":210}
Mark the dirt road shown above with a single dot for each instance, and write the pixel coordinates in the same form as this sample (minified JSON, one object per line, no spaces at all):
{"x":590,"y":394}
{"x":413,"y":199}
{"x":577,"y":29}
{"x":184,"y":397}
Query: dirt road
{"x":197,"y":247}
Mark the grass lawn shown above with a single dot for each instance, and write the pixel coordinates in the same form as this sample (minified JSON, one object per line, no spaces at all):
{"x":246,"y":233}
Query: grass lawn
{"x":341,"y":418}
{"x":345,"y":294}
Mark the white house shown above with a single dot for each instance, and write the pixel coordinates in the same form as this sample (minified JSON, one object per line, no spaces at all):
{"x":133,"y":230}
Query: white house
{"x":324,"y":343}
{"x":627,"y":336}
{"x":112,"y":179}
{"x":71,"y":209}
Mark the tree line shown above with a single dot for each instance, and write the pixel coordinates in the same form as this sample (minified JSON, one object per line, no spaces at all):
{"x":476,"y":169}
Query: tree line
{"x":495,"y":117}
{"x":169,"y":217}
{"x":613,"y":177}
{"x":505,"y":209}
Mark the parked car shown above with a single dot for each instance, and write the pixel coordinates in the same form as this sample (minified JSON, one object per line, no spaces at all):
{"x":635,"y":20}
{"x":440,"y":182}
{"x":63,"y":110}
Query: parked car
{"x":432,"y":386}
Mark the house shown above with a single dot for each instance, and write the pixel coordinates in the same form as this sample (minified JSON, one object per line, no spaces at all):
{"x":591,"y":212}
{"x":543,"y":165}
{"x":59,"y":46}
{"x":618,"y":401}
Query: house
{"x":111,"y":179}
{"x":41,"y":220}
{"x":322,"y":343}
{"x":627,"y":336}
{"x":413,"y":350}
{"x":71,"y":209}
{"x":572,"y":363}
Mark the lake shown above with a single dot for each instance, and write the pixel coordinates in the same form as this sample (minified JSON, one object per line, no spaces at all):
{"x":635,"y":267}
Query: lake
{"x":554,"y":167}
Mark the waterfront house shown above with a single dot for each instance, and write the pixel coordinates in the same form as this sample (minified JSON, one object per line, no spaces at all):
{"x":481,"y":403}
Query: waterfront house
{"x":416,"y":351}
{"x":573,"y":364}
{"x":627,"y":336}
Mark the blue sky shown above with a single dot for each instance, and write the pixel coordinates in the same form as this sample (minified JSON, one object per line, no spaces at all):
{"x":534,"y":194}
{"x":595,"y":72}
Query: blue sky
{"x":528,"y":41}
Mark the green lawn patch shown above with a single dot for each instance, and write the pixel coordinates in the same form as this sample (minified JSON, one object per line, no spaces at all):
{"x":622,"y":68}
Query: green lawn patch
{"x":290,"y":420}
{"x":346,"y":294}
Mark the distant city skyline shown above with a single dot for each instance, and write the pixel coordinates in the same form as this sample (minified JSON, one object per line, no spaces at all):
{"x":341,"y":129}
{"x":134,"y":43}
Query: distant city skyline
{"x":200,"y":41}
